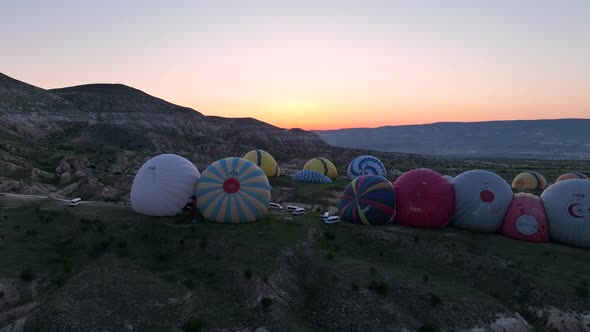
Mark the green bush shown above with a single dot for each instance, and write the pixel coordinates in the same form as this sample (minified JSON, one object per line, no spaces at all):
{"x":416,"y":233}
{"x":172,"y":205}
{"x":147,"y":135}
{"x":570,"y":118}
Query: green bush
{"x":355,"y":287}
{"x":329,"y":235}
{"x":582,"y":291}
{"x":247,"y":274}
{"x":427,"y":328}
{"x":381,"y":287}
{"x":265,"y":302}
{"x":27,"y":275}
{"x":189,"y":283}
{"x":435,"y":300}
{"x":373,"y":271}
{"x":192,"y":325}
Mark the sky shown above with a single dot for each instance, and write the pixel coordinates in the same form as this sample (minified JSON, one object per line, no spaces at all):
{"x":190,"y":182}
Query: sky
{"x":315,"y":64}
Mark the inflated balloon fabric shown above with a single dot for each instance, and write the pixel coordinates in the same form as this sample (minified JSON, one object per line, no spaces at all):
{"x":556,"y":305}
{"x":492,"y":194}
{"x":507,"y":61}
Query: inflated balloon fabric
{"x":526,"y":219}
{"x":365,"y":165}
{"x":323,"y":166}
{"x":448,"y":178}
{"x":163,"y":185}
{"x":310,"y":176}
{"x":529,"y":180}
{"x":424,"y":199}
{"x":567,"y":204}
{"x":265,"y":161}
{"x":369,"y":200}
{"x":233,"y":190}
{"x":571,"y":175}
{"x":481,"y":201}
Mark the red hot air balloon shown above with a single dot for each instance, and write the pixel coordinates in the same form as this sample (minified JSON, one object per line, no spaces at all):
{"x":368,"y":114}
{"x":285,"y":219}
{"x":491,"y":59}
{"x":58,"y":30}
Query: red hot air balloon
{"x":425,"y":199}
{"x":526,"y":219}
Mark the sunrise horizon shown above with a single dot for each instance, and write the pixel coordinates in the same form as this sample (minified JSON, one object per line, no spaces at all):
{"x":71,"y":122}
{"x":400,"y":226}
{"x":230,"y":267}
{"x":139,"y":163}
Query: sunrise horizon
{"x":338,"y":65}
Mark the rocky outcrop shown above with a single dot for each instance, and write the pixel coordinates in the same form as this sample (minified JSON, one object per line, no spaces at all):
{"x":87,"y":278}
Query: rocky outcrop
{"x":100,"y":134}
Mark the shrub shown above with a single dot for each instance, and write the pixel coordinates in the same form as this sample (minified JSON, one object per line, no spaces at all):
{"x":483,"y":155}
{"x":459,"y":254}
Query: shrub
{"x":59,"y":282}
{"x":27,"y":274}
{"x":124,"y":227}
{"x":330,"y":256}
{"x":435,"y":300}
{"x":425,"y":278}
{"x":427,"y":328}
{"x":355,"y":287}
{"x":192,"y":325}
{"x":416,"y":239}
{"x":373,"y":271}
{"x":582,"y":291}
{"x":203,"y":243}
{"x":329,"y":235}
{"x":265,"y":302}
{"x":189,"y":283}
{"x":247,"y":274}
{"x":381,"y":287}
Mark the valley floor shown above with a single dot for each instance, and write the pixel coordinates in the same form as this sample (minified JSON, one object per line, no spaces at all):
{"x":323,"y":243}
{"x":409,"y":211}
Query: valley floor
{"x":99,"y":267}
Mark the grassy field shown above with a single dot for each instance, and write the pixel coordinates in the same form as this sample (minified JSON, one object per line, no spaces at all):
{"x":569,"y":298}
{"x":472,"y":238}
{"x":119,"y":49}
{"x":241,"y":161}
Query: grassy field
{"x":290,"y":275}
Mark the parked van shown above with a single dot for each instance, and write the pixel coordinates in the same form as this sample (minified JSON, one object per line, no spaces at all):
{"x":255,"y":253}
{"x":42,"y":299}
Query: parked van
{"x":75,"y":201}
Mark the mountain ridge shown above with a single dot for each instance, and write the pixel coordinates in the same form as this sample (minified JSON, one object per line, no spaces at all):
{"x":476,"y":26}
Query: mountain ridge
{"x":543,"y":138}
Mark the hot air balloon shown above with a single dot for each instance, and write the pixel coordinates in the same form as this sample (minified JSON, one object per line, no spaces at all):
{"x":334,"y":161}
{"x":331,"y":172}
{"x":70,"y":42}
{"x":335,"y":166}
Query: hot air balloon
{"x":448,"y":178}
{"x":323,"y":166}
{"x":481,"y":200}
{"x":365,"y":165}
{"x":164,"y":185}
{"x":424,"y":199}
{"x":310,"y":176}
{"x":233,"y":190}
{"x":567,"y":204}
{"x":265,"y":161}
{"x":526,"y":219}
{"x":571,"y":175}
{"x":529,"y":180}
{"x":369,"y":200}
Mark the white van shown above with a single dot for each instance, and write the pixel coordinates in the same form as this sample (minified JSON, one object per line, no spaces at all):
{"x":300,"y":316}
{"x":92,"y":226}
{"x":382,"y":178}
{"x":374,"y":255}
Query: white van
{"x":75,"y":201}
{"x":274,"y":205}
{"x":294,"y":208}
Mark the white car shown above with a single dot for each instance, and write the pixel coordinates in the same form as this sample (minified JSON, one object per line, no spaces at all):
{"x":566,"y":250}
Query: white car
{"x":294,"y":208}
{"x":273,"y":205}
{"x":299,"y":212}
{"x":75,"y":201}
{"x":332,"y":219}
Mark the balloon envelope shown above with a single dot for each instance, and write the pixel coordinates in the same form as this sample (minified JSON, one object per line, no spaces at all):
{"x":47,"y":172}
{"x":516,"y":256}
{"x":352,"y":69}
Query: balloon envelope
{"x":310,"y":176}
{"x":163,"y":185}
{"x":526,"y":219}
{"x":481,"y":200}
{"x":323,"y":166}
{"x":424,"y":199}
{"x":571,"y":175}
{"x":265,"y":161}
{"x":529,"y":180}
{"x":369,"y":200}
{"x":567,"y":204}
{"x":233,"y":190}
{"x":448,"y":178}
{"x":365,"y":165}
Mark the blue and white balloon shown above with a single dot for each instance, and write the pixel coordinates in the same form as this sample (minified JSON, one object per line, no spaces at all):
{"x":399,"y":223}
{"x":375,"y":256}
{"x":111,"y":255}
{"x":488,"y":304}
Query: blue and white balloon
{"x":365,"y":165}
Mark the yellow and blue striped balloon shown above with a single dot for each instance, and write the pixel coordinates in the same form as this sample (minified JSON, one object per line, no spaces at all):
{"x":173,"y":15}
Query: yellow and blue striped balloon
{"x":233,"y":190}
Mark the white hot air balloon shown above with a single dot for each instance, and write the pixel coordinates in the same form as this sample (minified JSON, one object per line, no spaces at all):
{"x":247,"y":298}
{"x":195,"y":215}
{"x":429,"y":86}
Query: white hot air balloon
{"x":164,"y":185}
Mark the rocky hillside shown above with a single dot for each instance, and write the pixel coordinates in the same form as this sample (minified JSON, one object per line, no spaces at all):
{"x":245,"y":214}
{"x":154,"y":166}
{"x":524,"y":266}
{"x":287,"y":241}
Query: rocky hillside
{"x":543,"y":139}
{"x":89,"y":140}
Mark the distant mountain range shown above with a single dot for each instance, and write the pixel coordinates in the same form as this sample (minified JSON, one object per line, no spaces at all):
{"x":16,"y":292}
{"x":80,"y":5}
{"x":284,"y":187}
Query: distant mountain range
{"x":542,"y":139}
